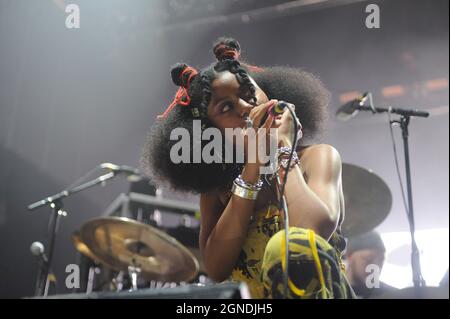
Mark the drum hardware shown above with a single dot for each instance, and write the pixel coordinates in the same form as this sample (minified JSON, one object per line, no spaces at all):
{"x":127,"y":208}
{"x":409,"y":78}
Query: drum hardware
{"x":133,"y":272}
{"x":118,"y":281}
{"x":57,"y":210}
{"x":93,"y":271}
{"x":120,"y":205}
{"x":137,"y":205}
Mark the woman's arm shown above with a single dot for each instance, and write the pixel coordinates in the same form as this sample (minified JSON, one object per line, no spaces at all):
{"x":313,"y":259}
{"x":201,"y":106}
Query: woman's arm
{"x":315,"y":203}
{"x":224,"y":229}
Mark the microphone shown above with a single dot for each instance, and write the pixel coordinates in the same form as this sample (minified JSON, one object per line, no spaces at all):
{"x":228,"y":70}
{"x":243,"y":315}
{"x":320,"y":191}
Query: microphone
{"x":274,"y":110}
{"x":42,"y":283}
{"x":363,"y":98}
{"x":37,"y":249}
{"x":277,"y":108}
{"x":350,"y":109}
{"x":128,"y":170}
{"x":134,"y":175}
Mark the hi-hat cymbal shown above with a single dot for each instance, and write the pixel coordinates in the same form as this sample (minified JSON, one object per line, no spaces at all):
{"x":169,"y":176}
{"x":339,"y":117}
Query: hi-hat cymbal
{"x":122,"y":242}
{"x":368,"y":200}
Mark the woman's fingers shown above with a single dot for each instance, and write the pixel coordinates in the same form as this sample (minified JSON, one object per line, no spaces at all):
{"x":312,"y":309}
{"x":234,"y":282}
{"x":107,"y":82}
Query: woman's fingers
{"x":287,"y":116}
{"x":268,"y":123}
{"x":258,"y":112}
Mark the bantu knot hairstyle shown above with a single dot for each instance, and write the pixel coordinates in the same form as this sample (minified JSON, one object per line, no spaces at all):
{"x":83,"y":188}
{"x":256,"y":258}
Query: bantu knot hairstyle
{"x":226,"y":49}
{"x":182,"y":74}
{"x":290,"y":84}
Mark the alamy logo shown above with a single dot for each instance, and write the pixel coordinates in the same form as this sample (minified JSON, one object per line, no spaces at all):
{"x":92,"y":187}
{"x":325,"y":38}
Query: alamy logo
{"x":73,"y":279}
{"x":373,"y":279}
{"x":188,"y":149}
{"x":73,"y":17}
{"x":373,"y":19}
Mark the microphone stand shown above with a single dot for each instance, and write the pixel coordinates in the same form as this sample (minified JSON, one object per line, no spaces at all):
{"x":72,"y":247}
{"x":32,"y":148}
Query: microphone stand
{"x":415,"y":256}
{"x":405,"y":116}
{"x":41,"y":268}
{"x":56,"y":204}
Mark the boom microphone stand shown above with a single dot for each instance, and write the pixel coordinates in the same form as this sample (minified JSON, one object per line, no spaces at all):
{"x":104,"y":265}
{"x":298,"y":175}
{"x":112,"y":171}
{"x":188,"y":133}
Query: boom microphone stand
{"x":56,"y":204}
{"x":350,"y":110}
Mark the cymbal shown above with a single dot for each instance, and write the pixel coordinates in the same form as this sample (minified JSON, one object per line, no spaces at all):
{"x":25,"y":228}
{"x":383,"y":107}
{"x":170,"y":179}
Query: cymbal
{"x":122,"y":242}
{"x":420,"y":293}
{"x":368,"y":200}
{"x":81,"y":246}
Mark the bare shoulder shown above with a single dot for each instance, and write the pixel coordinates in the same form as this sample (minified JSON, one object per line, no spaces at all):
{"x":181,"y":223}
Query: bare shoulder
{"x":319,"y":150}
{"x":321,"y":157}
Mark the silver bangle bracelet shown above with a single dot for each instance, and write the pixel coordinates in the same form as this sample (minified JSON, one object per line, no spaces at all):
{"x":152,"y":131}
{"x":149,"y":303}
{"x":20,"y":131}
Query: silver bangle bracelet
{"x":243,"y":192}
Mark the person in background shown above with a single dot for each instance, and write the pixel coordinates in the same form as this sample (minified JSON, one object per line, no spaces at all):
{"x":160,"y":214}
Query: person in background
{"x":365,"y":257}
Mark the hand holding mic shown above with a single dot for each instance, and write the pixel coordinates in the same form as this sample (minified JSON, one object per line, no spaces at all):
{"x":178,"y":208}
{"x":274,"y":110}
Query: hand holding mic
{"x":277,"y":108}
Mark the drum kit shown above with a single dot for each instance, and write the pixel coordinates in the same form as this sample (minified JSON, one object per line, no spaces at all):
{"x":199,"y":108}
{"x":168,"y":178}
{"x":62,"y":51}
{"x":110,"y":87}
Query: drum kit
{"x":137,"y":249}
{"x":155,"y":254}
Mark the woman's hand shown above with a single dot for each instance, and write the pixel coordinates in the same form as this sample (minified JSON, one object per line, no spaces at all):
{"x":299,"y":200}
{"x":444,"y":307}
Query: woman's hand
{"x":252,"y":146}
{"x":285,"y":124}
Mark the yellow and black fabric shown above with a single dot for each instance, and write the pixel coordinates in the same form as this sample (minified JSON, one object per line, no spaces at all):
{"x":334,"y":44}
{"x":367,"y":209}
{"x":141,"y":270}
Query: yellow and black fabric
{"x":315,"y":267}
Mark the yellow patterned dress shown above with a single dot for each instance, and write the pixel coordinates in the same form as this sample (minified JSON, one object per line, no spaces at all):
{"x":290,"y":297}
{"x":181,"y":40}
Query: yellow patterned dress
{"x":315,"y":267}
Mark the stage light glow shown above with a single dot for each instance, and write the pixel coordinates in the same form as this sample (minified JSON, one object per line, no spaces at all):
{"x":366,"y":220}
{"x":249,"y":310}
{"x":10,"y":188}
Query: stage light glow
{"x":433,"y":246}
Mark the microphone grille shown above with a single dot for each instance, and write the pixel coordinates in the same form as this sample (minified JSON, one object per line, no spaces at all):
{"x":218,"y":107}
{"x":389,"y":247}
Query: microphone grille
{"x":37,"y":248}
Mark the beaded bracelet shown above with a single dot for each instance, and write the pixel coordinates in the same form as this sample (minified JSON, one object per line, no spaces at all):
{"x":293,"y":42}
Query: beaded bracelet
{"x":255,"y":187}
{"x":283,"y":155}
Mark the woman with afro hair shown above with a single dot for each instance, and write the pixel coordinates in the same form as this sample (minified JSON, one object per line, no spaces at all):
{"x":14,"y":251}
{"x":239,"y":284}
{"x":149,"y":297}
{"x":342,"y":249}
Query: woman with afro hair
{"x":242,"y":237}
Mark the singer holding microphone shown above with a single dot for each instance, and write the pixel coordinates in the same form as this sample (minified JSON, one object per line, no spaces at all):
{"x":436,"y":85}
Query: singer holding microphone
{"x":242,"y":235}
